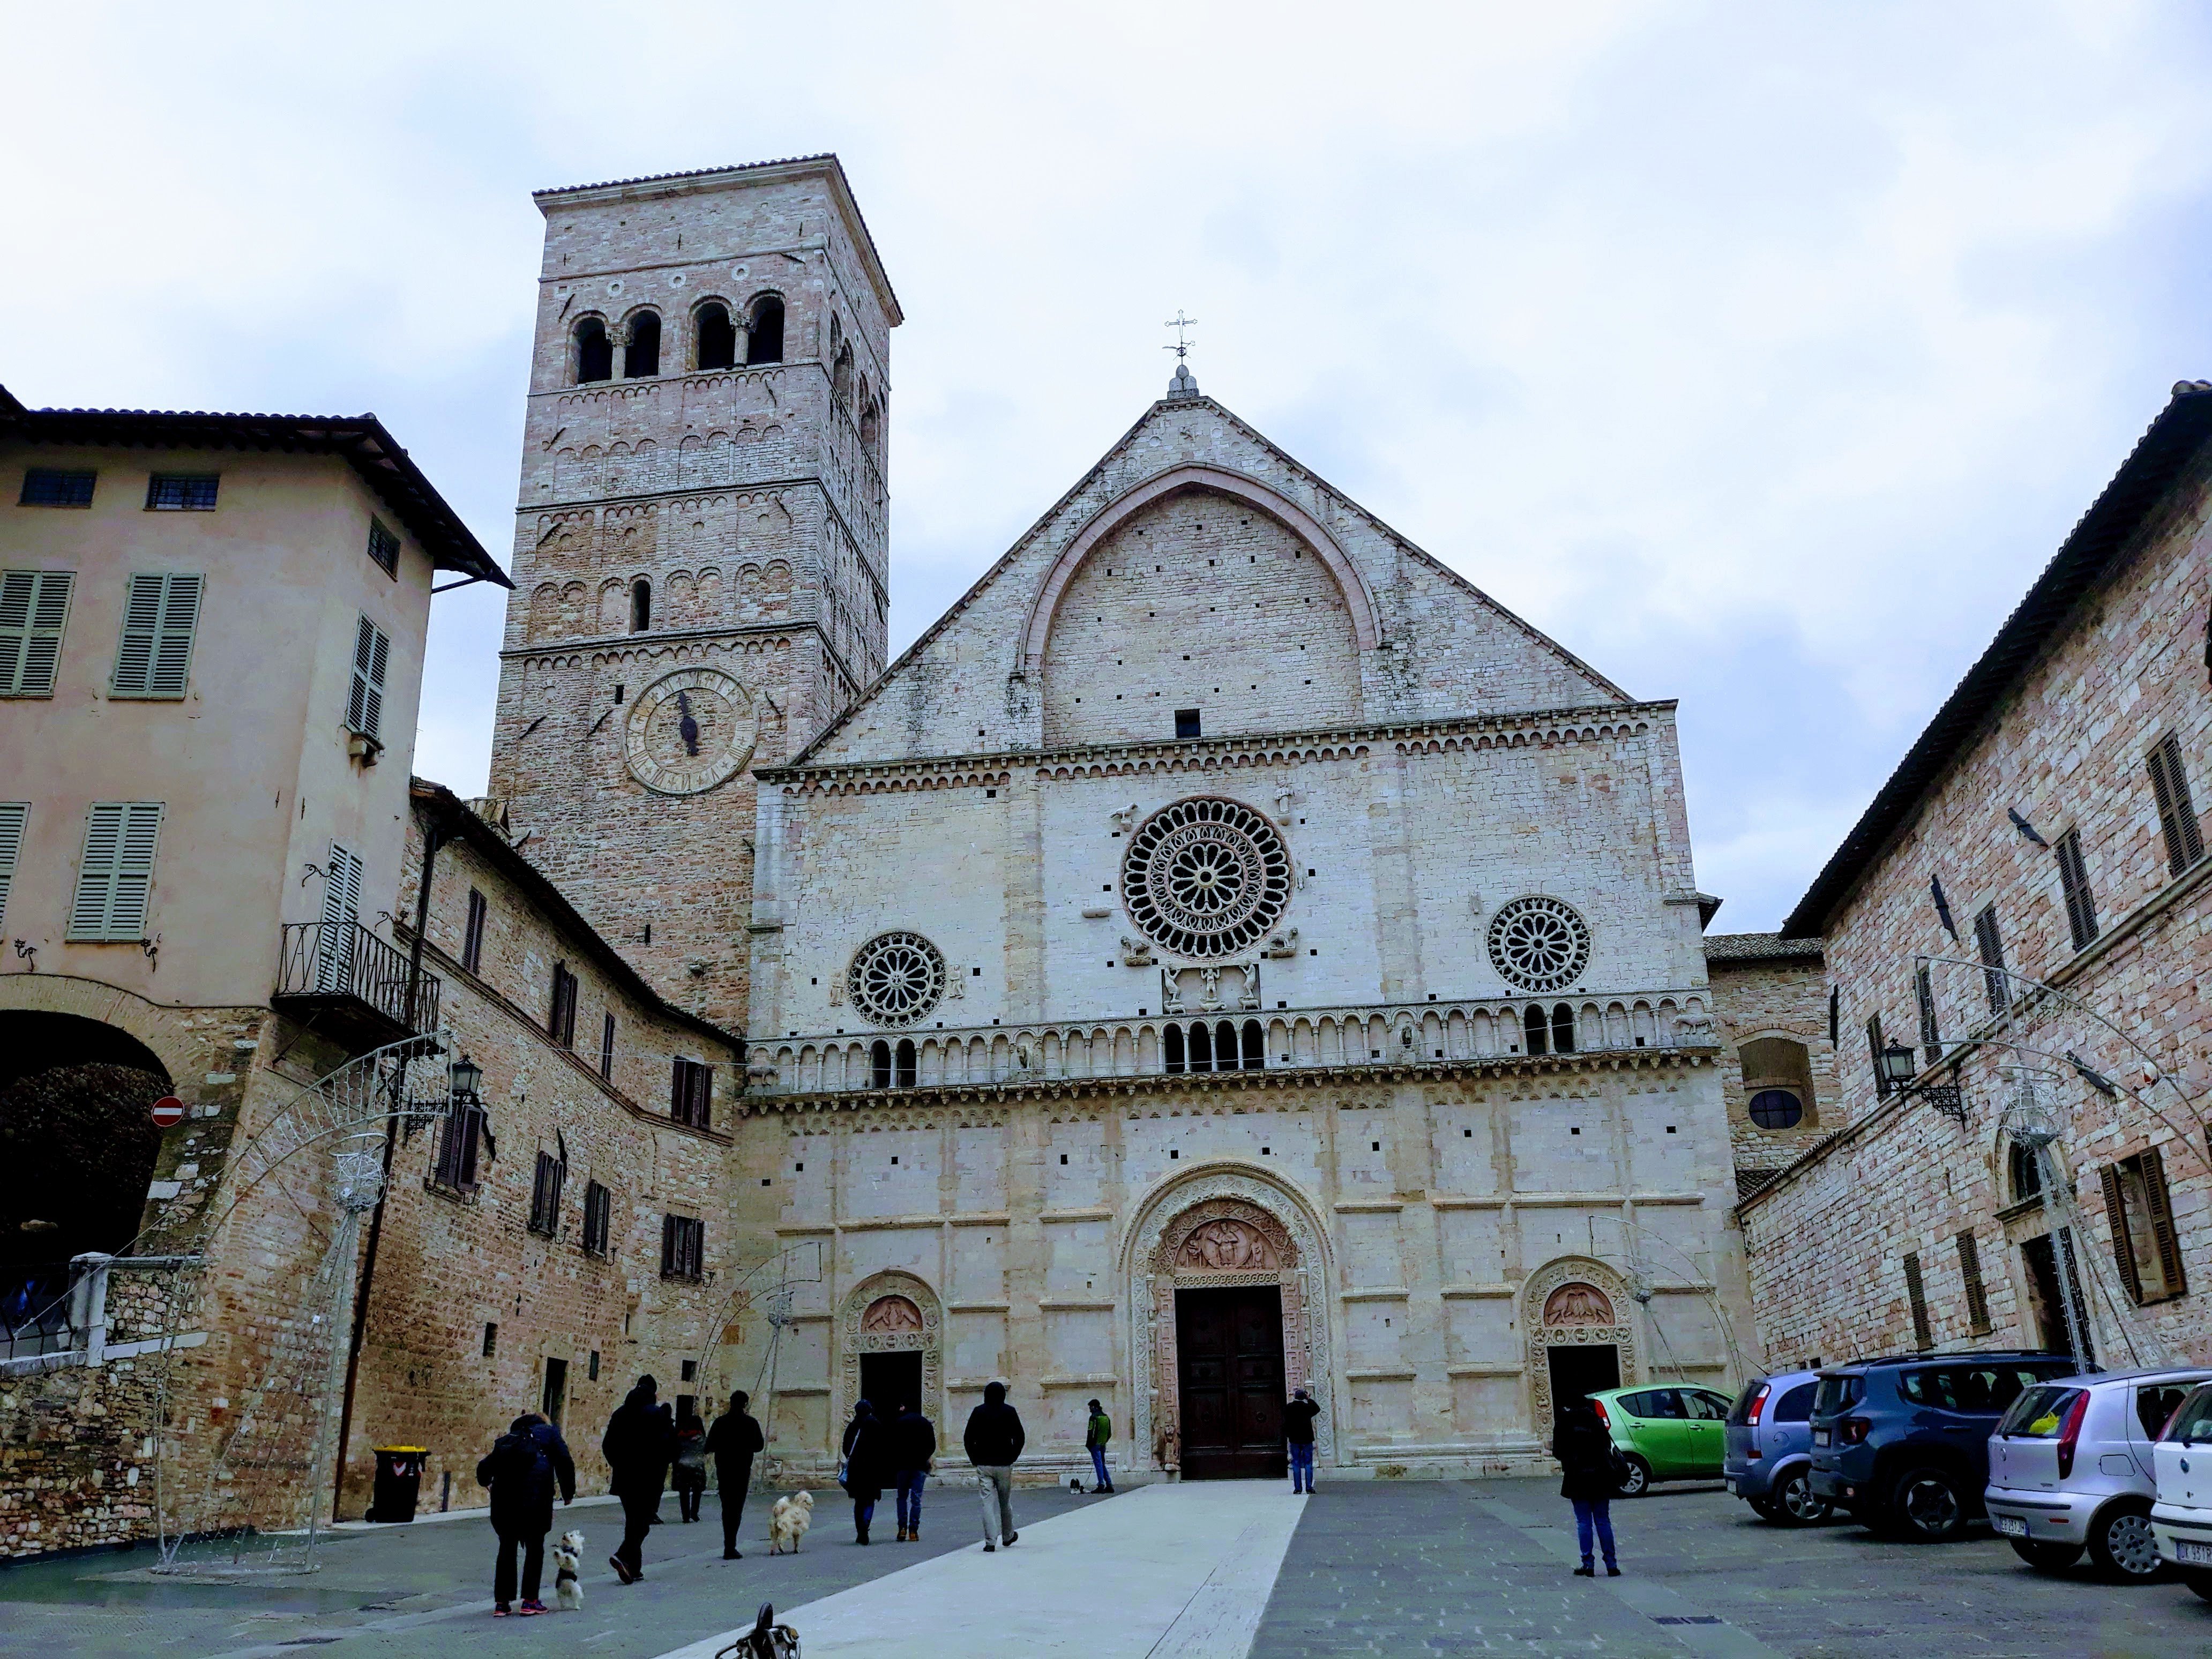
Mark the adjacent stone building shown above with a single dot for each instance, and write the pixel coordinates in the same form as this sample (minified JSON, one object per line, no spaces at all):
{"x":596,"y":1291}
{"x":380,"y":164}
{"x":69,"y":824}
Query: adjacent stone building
{"x":2018,"y":920}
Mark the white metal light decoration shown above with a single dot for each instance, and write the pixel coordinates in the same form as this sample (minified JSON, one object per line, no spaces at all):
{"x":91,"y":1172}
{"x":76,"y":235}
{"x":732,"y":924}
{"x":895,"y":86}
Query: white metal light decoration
{"x":896,"y":978}
{"x":1207,"y":878}
{"x":1538,"y":942}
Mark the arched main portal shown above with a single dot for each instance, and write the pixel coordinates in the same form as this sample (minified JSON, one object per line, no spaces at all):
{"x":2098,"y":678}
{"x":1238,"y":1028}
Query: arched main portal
{"x":1581,"y":1338}
{"x":1209,"y":1259}
{"x":76,"y":1143}
{"x":890,"y":1331}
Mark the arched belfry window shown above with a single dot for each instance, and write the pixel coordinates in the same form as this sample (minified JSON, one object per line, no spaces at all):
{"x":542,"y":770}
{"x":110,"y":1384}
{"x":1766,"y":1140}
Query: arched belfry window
{"x":764,"y":341}
{"x":595,"y":355}
{"x":717,"y":336}
{"x":841,"y":376}
{"x":1255,"y":1046}
{"x":879,"y":1065}
{"x":1534,"y":1028}
{"x":642,"y":357}
{"x":641,"y":606}
{"x":1171,"y":1047}
{"x":1201,"y":1047}
{"x":870,"y":425}
{"x":1563,"y":1028}
{"x":904,"y":1076}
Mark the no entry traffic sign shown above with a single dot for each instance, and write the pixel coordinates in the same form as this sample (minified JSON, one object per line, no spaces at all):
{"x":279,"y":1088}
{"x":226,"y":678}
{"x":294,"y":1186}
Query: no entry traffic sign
{"x":168,"y":1112}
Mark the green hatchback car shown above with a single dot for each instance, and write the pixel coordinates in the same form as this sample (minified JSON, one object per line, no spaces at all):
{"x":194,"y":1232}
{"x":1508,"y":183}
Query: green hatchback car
{"x":1670,"y":1432}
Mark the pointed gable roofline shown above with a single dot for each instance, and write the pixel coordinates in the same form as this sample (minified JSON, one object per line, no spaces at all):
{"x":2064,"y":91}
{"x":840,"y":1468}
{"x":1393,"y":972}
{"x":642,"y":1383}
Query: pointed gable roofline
{"x":989,"y":578}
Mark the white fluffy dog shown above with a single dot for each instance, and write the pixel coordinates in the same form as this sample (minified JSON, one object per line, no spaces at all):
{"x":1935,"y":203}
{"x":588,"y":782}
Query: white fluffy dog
{"x":788,"y":1521}
{"x":567,"y":1588}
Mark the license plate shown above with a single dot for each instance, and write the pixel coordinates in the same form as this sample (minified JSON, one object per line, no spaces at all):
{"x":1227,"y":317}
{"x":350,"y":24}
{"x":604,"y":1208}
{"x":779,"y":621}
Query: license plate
{"x":1820,"y":1436}
{"x":2010,"y":1525}
{"x":2192,"y":1555}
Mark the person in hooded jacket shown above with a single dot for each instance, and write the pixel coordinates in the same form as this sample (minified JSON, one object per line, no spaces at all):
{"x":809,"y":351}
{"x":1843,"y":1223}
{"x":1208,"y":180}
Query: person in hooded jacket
{"x":523,"y":1467}
{"x":913,"y":1443}
{"x":867,"y":1463}
{"x":733,"y":1442}
{"x":1584,"y":1449}
{"x":639,"y":1444}
{"x":994,"y":1438}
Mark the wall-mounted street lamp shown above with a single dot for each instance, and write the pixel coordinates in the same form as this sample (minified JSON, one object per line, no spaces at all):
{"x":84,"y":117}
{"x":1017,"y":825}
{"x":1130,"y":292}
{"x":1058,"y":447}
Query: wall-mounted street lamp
{"x":464,"y":1076}
{"x":1897,"y":1067}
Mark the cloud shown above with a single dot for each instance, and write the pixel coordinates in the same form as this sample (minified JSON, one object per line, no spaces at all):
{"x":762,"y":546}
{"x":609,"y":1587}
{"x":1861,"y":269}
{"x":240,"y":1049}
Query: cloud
{"x":1762,"y":353}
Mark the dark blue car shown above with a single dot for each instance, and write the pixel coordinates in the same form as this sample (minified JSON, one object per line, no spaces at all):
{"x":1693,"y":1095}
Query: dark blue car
{"x":1903,"y":1443}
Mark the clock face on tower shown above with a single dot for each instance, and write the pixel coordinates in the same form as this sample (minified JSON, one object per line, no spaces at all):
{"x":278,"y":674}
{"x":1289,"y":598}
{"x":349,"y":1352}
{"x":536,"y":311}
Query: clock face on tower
{"x":690,"y":731}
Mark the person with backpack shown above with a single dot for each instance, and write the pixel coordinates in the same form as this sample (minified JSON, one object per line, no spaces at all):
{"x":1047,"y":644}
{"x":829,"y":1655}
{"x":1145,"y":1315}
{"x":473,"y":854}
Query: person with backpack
{"x":733,"y":1441}
{"x":639,"y":1445}
{"x":523,"y":1468}
{"x":1097,"y":1434}
{"x":913,"y":1443}
{"x":1298,"y":1435}
{"x":687,"y":1475}
{"x":1590,"y":1480}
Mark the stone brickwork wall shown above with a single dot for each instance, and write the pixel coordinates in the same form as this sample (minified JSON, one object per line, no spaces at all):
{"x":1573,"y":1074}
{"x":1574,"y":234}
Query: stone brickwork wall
{"x":1764,"y":986}
{"x":2067,"y":750}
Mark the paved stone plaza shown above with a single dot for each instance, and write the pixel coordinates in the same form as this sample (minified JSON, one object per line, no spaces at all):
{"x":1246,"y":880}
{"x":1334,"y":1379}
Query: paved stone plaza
{"x":1196,"y":1571}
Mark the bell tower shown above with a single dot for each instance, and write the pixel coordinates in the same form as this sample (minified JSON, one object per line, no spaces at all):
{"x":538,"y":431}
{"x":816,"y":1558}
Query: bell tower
{"x":701,"y":556}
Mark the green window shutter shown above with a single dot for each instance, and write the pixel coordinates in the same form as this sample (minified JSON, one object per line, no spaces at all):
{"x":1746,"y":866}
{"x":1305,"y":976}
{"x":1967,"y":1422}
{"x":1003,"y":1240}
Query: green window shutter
{"x":372,"y":656}
{"x":160,"y":616}
{"x":33,"y":605}
{"x":14,"y":815}
{"x":116,"y":877}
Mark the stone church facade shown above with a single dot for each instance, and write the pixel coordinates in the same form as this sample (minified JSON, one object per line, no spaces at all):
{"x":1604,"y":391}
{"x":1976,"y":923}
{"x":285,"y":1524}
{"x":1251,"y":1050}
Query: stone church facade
{"x":1227,"y":953}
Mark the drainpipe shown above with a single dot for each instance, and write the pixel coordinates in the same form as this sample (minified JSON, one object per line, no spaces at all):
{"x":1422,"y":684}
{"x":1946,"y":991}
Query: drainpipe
{"x":434,"y":837}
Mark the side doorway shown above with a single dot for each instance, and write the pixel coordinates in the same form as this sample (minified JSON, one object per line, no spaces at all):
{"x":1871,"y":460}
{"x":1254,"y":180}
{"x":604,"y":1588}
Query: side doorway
{"x":1577,"y":1370}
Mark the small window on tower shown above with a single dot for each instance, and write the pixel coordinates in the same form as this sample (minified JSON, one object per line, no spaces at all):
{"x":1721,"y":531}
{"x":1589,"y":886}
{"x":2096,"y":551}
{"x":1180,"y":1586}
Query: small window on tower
{"x":1187,"y":722}
{"x":764,"y":342}
{"x":718,"y":338}
{"x":595,"y":353}
{"x":641,"y":606}
{"x":642,"y":357}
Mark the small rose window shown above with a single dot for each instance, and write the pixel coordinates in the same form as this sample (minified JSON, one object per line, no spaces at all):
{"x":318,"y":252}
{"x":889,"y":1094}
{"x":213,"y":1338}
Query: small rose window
{"x":896,"y":978}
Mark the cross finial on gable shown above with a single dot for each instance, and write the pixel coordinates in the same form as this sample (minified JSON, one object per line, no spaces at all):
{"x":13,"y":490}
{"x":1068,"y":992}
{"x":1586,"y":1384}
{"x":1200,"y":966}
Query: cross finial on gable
{"x":1183,"y":385}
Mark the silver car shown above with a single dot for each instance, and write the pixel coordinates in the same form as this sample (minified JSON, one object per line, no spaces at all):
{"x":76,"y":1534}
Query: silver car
{"x":2071,"y":1468}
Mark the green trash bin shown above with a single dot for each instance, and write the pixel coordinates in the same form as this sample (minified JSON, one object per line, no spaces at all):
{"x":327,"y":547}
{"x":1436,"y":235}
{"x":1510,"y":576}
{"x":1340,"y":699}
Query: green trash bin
{"x":398,"y":1482}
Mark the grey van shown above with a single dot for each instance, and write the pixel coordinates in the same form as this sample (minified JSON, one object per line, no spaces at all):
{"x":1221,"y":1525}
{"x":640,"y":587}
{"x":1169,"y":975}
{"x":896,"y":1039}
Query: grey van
{"x":1768,"y":1460}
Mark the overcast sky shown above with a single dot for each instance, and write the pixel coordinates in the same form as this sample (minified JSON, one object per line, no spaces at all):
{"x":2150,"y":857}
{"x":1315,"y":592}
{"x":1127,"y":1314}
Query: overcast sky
{"x":1761,"y":354}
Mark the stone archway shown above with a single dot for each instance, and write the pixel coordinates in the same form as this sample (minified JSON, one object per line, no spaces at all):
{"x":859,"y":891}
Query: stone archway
{"x":1573,"y":1302}
{"x":889,"y":1312}
{"x":1222,"y":1230}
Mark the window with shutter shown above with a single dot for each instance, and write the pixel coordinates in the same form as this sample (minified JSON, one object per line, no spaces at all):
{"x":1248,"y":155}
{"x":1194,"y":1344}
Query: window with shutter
{"x":1874,"y":1052}
{"x":372,"y":655}
{"x":2158,"y":1211}
{"x":2177,"y":813}
{"x":607,"y":1048}
{"x":1978,"y":1296}
{"x":456,"y":1165}
{"x":545,"y":1196}
{"x":1990,"y":947}
{"x":1924,"y":994}
{"x":691,"y":1093}
{"x":683,"y":1247}
{"x":2115,"y":1218}
{"x":14,"y":816}
{"x":2073,"y":883}
{"x":161,"y":613}
{"x":598,"y":1210}
{"x":334,"y":939}
{"x":562,"y":1026}
{"x":1923,"y":1334}
{"x":116,"y":875}
{"x":2140,"y":1212}
{"x":33,"y":605}
{"x":472,"y":935}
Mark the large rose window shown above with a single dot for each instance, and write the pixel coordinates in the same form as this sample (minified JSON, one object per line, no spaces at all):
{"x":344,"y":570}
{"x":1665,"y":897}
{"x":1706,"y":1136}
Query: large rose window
{"x":896,"y":978}
{"x":1206,"y":878}
{"x":1538,"y":942}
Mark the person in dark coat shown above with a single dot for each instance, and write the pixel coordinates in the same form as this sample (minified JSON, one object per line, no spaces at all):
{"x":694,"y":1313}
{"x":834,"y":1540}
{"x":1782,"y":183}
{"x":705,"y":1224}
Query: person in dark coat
{"x":994,"y":1438}
{"x":1584,"y":1449}
{"x":867,"y":1463}
{"x":523,"y":1468}
{"x":687,"y":1475}
{"x":732,"y":1441}
{"x":639,"y":1444}
{"x":913,"y":1443}
{"x":1298,"y":1435}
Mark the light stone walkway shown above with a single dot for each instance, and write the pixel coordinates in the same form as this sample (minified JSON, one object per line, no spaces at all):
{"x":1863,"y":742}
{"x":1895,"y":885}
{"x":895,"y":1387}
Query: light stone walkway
{"x":1180,"y":1572}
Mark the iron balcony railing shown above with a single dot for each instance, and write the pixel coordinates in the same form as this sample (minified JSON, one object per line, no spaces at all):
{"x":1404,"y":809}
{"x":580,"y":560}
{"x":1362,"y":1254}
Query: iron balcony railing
{"x":343,"y":962}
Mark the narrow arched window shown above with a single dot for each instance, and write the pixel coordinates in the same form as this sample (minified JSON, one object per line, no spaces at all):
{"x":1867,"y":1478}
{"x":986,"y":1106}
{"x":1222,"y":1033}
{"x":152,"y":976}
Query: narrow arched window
{"x":1225,"y":1046}
{"x":1171,"y":1047}
{"x":879,"y":1065}
{"x":2026,"y":1172}
{"x":642,"y":357}
{"x":1255,"y":1046}
{"x":641,"y":606}
{"x":764,"y":342}
{"x":905,"y":1078}
{"x":840,"y":378}
{"x":718,"y":340}
{"x":1201,"y":1047}
{"x":869,"y":426}
{"x":1562,"y":1030}
{"x":1533,"y":1027}
{"x":595,"y":356}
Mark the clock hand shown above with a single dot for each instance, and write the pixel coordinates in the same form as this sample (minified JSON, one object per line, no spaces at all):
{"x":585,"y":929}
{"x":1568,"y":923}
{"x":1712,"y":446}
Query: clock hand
{"x":687,"y":728}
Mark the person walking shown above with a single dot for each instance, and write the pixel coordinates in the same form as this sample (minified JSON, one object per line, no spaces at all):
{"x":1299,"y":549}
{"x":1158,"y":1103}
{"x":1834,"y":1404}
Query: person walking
{"x":913,"y":1443}
{"x":994,"y":1440}
{"x":1584,"y":1449}
{"x":639,"y":1444}
{"x":687,"y":1475}
{"x":867,"y":1455}
{"x":1097,"y":1434}
{"x":732,"y":1442}
{"x":523,"y":1467}
{"x":1298,"y":1435}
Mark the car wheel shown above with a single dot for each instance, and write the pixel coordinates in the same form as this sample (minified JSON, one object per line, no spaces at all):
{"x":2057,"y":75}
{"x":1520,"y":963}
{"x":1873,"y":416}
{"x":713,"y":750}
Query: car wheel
{"x":2045,"y":1558}
{"x":2200,"y":1582}
{"x":2122,"y":1544}
{"x":1636,"y":1479}
{"x":1764,"y":1507}
{"x":1797,"y":1503}
{"x":1928,"y":1507}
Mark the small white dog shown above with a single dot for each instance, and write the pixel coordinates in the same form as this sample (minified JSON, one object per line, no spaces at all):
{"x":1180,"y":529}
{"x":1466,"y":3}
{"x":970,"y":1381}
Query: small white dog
{"x":567,"y":1588}
{"x":788,"y":1521}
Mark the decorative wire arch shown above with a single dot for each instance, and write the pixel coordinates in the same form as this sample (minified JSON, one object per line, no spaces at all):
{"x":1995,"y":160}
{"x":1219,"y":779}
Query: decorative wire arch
{"x":792,"y":1267}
